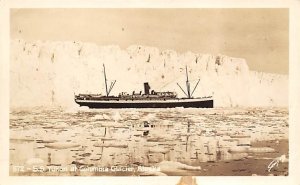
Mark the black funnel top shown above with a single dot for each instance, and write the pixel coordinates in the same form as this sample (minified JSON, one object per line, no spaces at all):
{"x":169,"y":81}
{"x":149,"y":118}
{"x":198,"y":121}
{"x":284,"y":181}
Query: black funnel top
{"x":146,"y":87}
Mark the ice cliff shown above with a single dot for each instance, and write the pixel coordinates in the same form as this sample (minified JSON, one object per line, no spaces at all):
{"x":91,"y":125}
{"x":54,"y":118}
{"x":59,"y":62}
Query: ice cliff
{"x":48,"y":73}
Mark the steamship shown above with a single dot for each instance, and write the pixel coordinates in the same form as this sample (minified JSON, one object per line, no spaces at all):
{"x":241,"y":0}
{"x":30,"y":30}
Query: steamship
{"x":148,"y":99}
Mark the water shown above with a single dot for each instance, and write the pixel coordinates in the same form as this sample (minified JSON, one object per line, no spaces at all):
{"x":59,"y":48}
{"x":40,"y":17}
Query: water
{"x":52,"y":141}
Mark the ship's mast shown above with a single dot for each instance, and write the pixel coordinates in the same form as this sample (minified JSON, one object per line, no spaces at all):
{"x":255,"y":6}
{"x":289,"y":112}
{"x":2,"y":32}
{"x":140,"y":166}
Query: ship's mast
{"x":111,"y":85}
{"x":187,"y":83}
{"x":105,"y":80}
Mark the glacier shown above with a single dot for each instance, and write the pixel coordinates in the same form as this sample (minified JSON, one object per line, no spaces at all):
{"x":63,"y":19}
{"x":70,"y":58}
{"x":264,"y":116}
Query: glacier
{"x":49,"y":73}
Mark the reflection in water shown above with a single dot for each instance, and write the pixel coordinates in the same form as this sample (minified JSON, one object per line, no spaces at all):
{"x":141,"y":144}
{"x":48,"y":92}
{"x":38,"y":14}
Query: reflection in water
{"x":145,"y":137}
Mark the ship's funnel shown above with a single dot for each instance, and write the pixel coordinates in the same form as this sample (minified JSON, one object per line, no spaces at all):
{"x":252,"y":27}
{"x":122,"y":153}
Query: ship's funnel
{"x":146,"y":87}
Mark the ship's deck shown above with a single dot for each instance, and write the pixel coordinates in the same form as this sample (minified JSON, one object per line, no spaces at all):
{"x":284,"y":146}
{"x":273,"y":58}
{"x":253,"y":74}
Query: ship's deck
{"x":135,"y":97}
{"x":148,"y":103}
{"x":143,"y":100}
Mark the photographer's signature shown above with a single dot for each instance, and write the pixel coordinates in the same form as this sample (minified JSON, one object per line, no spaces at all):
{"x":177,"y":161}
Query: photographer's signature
{"x":276,"y":162}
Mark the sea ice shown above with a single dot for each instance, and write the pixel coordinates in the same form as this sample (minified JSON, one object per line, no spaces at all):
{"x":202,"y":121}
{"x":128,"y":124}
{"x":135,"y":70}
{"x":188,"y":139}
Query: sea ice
{"x":34,"y":161}
{"x":62,"y":145}
{"x":172,"y":166}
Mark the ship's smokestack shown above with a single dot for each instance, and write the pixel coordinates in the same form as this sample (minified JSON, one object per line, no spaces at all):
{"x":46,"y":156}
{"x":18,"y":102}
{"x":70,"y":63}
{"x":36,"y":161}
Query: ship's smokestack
{"x":146,"y":87}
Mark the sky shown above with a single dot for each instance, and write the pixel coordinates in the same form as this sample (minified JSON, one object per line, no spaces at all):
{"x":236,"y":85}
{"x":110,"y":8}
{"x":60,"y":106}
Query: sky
{"x":261,"y":36}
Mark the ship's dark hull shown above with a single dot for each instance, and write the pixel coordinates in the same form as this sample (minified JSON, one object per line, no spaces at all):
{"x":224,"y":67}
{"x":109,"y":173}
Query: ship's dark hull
{"x":194,"y":103}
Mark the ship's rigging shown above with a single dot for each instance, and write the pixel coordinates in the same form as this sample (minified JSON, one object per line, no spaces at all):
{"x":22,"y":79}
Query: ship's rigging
{"x":112,"y":84}
{"x":189,"y":94}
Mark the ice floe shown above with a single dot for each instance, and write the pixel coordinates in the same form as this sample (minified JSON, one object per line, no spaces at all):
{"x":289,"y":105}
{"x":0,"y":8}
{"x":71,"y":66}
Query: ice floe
{"x":117,"y":144}
{"x":62,"y":145}
{"x":34,"y":162}
{"x":172,"y":166}
{"x":246,"y":149}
